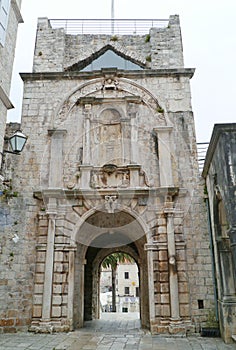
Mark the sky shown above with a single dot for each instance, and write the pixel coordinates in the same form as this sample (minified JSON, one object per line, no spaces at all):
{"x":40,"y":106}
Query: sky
{"x":209,"y":42}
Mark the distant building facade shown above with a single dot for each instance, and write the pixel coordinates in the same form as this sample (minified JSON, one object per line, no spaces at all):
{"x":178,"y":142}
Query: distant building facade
{"x":10,"y":17}
{"x":110,"y":165}
{"x":127,"y":288}
{"x":220,"y":174}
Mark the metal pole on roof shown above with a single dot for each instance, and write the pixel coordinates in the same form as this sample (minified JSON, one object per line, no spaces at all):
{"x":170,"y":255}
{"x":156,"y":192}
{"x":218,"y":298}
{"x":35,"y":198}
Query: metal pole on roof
{"x":112,"y":16}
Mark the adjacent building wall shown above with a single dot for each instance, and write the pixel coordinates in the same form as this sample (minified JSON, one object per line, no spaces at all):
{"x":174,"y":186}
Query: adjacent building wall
{"x":7,"y":54}
{"x":220,"y":174}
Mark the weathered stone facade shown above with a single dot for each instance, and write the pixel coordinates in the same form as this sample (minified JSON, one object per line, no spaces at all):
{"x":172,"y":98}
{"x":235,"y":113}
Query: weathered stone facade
{"x":219,"y":172}
{"x":7,"y":54}
{"x":110,"y":165}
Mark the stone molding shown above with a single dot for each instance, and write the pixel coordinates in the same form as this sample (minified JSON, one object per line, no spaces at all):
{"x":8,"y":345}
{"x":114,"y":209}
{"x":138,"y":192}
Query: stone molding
{"x":218,"y":130}
{"x":177,"y":73}
{"x":17,"y":12}
{"x":5,"y":99}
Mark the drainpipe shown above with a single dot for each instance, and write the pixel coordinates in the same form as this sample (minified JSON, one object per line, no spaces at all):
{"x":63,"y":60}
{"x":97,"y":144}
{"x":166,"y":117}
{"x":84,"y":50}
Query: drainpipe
{"x":212,"y":257}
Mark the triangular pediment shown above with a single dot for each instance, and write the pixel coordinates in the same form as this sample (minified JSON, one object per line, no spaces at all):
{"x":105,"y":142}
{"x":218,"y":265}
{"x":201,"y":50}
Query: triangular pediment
{"x":107,"y":57}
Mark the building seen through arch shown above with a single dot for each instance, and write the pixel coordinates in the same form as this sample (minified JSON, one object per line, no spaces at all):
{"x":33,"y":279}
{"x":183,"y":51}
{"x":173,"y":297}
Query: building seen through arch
{"x":119,"y":284}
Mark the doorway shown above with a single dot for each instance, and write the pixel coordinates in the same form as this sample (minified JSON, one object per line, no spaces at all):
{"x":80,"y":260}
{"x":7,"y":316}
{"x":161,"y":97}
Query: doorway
{"x":119,"y":286}
{"x":89,"y":259}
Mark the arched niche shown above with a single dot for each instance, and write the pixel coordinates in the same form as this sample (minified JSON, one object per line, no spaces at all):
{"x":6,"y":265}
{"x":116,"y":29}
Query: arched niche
{"x":107,"y":146}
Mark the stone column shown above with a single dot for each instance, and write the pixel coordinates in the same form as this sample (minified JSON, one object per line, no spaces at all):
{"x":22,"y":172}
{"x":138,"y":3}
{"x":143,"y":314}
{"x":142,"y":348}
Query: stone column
{"x":71,"y":286}
{"x":125,"y":139}
{"x":150,"y":272}
{"x":81,"y":294}
{"x":48,"y":273}
{"x":134,"y":140}
{"x":132,"y":109}
{"x":96,"y":292}
{"x":164,"y":155}
{"x":56,"y":160}
{"x":86,"y":139}
{"x":173,"y":277}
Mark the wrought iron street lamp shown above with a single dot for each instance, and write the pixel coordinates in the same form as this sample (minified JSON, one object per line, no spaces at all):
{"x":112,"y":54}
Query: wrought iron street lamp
{"x":17,"y":142}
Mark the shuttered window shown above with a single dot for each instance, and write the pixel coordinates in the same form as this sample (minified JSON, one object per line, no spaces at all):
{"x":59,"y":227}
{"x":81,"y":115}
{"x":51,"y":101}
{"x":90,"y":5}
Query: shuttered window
{"x":4,"y":12}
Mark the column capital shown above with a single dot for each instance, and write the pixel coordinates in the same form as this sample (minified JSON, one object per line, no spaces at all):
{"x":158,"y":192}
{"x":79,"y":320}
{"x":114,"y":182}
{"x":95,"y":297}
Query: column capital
{"x":169,"y":212}
{"x":150,"y":247}
{"x":163,"y":129}
{"x":57,"y":132}
{"x":51,"y":213}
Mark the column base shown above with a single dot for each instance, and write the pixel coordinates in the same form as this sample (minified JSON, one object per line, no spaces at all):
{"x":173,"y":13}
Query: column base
{"x":51,"y":326}
{"x":173,"y":327}
{"x":174,"y":321}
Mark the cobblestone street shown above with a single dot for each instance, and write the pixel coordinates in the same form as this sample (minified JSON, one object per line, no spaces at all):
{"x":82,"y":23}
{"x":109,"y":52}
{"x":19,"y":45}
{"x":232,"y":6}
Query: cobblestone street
{"x":113,"y":332}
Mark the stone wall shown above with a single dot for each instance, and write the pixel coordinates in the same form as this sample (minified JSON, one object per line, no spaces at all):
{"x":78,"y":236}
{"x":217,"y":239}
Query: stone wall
{"x":219,"y":171}
{"x":56,"y":51}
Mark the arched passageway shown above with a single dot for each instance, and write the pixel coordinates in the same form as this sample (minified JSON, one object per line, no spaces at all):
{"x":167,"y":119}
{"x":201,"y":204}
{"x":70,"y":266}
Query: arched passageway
{"x":105,"y":234}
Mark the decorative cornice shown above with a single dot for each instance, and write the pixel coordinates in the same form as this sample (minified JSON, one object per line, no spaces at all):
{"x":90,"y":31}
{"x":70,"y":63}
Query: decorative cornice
{"x":80,"y":193}
{"x":100,"y":100}
{"x":145,"y":73}
{"x":162,"y":129}
{"x":5,"y":99}
{"x":17,"y":11}
{"x":218,"y":130}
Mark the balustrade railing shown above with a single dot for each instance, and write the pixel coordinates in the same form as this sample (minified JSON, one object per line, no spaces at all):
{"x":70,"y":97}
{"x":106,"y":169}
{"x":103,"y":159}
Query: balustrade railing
{"x":202,"y":150}
{"x":108,"y":26}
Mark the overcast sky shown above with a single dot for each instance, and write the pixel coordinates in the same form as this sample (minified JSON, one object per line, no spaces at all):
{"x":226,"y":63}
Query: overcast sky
{"x":209,"y":41}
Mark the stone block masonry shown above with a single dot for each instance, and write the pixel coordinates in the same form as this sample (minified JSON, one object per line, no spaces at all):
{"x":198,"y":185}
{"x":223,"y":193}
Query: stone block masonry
{"x":110,"y":165}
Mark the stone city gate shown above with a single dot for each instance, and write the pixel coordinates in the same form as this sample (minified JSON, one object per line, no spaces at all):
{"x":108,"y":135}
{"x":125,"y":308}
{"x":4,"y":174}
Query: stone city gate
{"x":106,"y":199}
{"x":73,"y":247}
{"x":111,"y":163}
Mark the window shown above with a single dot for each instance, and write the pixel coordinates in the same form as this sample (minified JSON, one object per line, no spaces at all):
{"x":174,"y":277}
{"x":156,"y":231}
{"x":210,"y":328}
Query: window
{"x":4,"y":11}
{"x":137,"y":292}
{"x":126,"y":275}
{"x":124,"y":309}
{"x":126,"y":290}
{"x":111,"y":60}
{"x":200,"y":304}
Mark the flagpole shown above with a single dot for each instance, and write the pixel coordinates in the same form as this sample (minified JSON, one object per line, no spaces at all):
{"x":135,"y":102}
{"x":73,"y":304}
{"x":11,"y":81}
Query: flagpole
{"x":112,"y":16}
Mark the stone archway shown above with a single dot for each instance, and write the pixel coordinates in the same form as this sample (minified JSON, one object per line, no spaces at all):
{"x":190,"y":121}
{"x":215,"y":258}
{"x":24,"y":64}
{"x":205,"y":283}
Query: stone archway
{"x":128,"y":249}
{"x":121,"y":232}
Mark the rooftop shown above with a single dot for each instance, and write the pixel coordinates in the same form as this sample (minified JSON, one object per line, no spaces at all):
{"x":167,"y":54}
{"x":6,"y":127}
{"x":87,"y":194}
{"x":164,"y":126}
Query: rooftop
{"x":108,"y":26}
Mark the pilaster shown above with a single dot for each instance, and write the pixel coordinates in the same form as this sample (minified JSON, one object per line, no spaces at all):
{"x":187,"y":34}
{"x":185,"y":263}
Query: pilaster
{"x":150,"y":248}
{"x":56,"y":159}
{"x":173,"y":276}
{"x":71,"y":282}
{"x":164,"y":155}
{"x":48,"y":274}
{"x":86,"y":135}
